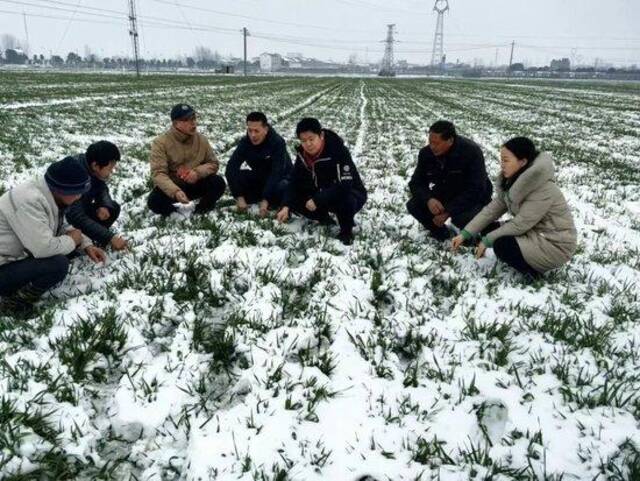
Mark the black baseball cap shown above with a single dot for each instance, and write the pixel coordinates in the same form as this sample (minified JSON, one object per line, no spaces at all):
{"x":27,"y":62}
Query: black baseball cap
{"x":182,"y":111}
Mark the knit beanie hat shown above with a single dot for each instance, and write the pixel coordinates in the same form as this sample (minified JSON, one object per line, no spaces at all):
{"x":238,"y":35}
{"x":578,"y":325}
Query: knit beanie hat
{"x":68,"y":177}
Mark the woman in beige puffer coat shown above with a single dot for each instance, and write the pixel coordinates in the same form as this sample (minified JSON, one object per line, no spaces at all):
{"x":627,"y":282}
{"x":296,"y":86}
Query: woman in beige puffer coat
{"x":541,"y":234}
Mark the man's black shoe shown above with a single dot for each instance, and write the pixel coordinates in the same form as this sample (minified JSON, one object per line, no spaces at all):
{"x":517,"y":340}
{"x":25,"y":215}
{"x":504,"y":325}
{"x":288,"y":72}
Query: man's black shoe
{"x":327,"y":220}
{"x":345,"y":237}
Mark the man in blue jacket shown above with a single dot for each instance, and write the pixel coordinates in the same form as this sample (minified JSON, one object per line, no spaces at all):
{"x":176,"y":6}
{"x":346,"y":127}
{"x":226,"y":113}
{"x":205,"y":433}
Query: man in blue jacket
{"x":449,"y":182}
{"x":265,"y":152}
{"x":324,"y":180}
{"x":96,"y":211}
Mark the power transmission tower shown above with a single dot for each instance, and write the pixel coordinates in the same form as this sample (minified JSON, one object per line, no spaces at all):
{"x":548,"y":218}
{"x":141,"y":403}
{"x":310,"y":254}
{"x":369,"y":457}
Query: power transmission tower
{"x":437,"y":57}
{"x":133,"y":31}
{"x":245,"y":34}
{"x":387,"y":66}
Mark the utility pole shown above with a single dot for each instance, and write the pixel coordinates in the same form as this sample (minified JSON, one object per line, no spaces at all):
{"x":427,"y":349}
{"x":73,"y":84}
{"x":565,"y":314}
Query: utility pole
{"x":437,"y":56}
{"x":245,"y":34}
{"x":26,"y":32}
{"x":133,"y":31}
{"x":513,"y":44}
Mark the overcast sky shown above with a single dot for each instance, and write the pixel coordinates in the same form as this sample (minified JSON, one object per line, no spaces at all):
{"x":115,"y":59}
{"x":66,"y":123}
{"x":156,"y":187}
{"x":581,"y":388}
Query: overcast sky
{"x":475,"y":30}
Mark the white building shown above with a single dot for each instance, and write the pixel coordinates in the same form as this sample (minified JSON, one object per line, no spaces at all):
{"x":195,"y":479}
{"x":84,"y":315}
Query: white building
{"x":270,"y":62}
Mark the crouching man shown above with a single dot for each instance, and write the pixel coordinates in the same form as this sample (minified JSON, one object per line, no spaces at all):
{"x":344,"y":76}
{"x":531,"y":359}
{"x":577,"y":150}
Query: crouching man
{"x":265,"y":153}
{"x":450,"y":181}
{"x":184,"y":166}
{"x":96,"y":211}
{"x":35,"y":240}
{"x":324,"y":180}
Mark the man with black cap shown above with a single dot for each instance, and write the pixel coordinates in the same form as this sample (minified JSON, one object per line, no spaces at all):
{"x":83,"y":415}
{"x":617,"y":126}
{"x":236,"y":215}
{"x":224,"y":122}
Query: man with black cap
{"x":264,"y":151}
{"x":184,"y":166}
{"x":35,"y":240}
{"x":96,"y":211}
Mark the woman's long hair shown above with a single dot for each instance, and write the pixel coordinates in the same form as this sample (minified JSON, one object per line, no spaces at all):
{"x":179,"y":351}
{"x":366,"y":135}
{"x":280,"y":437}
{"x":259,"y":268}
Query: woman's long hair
{"x":522,"y":148}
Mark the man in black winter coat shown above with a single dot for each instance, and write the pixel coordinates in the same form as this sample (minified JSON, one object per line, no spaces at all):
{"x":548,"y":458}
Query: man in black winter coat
{"x":265,"y":152}
{"x":450,"y":181}
{"x":324,"y":180}
{"x":96,"y":211}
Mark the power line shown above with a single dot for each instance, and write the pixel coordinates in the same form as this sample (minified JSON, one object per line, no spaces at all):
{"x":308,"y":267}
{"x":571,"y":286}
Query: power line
{"x":66,"y":29}
{"x":104,"y":16}
{"x":258,"y":19}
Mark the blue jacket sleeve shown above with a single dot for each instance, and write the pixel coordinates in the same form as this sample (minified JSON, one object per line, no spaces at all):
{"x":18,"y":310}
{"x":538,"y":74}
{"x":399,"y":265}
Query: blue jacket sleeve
{"x":419,"y":183}
{"x":77,"y":215}
{"x":232,"y":172}
{"x":475,"y":180}
{"x":295,"y":177}
{"x":280,"y":167}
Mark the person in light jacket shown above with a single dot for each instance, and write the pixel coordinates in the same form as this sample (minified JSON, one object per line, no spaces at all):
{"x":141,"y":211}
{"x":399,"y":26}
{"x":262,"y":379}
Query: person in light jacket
{"x":541,"y":234}
{"x":35,"y":239}
{"x":184,"y":167}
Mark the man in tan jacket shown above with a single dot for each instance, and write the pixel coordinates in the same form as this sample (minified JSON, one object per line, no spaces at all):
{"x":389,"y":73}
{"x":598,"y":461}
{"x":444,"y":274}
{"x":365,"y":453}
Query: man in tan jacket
{"x":184,"y":166}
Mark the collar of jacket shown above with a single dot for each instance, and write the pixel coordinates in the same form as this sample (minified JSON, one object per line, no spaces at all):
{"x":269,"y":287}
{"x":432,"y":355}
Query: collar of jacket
{"x":309,"y":159}
{"x":541,"y":171}
{"x":179,"y":136}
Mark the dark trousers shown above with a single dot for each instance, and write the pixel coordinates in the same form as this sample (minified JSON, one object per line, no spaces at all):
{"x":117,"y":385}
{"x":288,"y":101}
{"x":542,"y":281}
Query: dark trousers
{"x":114,"y":213}
{"x":422,"y":214}
{"x":42,"y":274}
{"x":208,"y":190}
{"x":345,"y":204}
{"x":509,"y":252}
{"x":251,"y":186}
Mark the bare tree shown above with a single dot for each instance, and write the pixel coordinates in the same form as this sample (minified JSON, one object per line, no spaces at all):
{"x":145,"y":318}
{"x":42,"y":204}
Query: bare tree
{"x":8,"y":41}
{"x":203,"y":54}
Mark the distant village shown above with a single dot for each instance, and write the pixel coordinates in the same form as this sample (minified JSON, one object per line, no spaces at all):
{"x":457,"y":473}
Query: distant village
{"x":205,"y":61}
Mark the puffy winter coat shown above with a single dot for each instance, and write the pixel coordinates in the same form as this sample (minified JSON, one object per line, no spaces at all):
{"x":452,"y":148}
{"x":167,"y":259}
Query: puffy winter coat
{"x":542,"y":222}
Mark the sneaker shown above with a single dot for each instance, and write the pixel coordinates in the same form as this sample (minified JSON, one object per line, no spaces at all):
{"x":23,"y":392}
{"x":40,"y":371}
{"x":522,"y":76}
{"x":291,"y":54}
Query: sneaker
{"x":346,"y":237}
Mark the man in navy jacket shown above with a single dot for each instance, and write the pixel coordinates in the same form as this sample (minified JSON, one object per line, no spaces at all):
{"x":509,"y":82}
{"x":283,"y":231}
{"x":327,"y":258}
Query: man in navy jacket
{"x":449,"y":182}
{"x":96,"y":211}
{"x":265,"y":152}
{"x":324,"y":180}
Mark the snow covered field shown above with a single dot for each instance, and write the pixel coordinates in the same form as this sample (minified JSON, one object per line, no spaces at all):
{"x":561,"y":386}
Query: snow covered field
{"x":232,"y":348}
